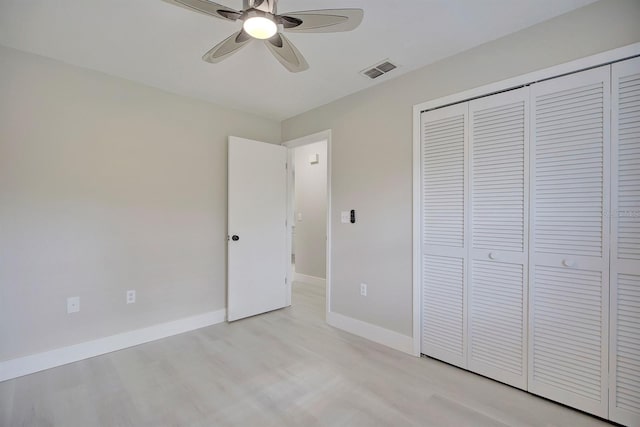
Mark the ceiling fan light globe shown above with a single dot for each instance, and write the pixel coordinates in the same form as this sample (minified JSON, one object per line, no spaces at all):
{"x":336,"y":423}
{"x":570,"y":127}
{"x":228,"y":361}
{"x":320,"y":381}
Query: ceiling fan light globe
{"x":260,"y":27}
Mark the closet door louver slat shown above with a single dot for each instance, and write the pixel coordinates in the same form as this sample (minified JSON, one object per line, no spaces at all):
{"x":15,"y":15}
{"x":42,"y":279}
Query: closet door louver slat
{"x":444,"y":140}
{"x":624,"y":392}
{"x":569,"y":255}
{"x":498,"y":135}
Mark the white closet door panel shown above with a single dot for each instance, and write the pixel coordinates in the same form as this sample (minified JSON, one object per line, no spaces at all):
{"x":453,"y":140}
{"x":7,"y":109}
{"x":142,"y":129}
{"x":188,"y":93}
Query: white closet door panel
{"x":569,"y":255}
{"x":497,"y":173}
{"x":624,"y":360}
{"x":496,"y":328}
{"x":625,"y":396}
{"x":627,"y":160}
{"x":443,"y":334}
{"x":443,"y":145}
{"x":498,"y":135}
{"x":567,"y":314}
{"x":570,"y":122}
{"x":444,"y":198}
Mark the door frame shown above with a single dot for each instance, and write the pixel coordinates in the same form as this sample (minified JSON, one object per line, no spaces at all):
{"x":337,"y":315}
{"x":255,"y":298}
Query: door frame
{"x":291,"y":145}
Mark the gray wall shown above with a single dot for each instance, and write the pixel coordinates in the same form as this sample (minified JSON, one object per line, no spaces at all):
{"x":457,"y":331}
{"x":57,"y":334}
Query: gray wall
{"x":311,"y":202}
{"x":372,"y":144}
{"x":107,"y":185}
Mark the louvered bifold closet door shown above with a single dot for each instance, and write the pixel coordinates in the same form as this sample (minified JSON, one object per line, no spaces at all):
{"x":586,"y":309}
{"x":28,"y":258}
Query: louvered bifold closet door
{"x":444,"y":140}
{"x":569,"y":255}
{"x":498,"y":143}
{"x":624,"y":394}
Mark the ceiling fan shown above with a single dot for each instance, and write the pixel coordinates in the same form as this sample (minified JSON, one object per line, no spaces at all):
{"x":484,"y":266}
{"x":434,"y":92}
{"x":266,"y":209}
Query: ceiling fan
{"x":261,"y":21}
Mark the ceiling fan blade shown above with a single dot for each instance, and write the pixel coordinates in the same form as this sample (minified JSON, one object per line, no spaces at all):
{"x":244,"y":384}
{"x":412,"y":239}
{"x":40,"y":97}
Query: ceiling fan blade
{"x":286,"y":53}
{"x":227,"y":47}
{"x":321,"y":21}
{"x":208,"y":8}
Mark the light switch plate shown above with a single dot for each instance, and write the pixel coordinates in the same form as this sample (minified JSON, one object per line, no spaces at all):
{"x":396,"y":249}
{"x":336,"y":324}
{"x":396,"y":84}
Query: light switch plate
{"x":363,"y":289}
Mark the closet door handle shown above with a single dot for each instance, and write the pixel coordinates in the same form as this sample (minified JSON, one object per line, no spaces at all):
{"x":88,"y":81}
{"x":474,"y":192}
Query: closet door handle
{"x":492,"y":255}
{"x":568,"y":263}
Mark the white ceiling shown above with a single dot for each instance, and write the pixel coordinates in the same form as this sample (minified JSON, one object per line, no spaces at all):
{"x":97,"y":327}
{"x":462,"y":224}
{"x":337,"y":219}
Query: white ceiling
{"x":159,"y":44}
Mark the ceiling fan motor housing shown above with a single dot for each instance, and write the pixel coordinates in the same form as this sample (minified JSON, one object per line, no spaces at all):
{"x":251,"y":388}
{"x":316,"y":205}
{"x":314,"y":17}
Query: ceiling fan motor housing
{"x":268,"y":6}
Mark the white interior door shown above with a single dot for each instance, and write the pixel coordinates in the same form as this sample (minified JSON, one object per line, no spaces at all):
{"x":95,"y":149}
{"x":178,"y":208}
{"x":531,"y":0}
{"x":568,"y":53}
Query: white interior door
{"x":257,"y":233}
{"x":444,"y":200}
{"x":569,"y":257}
{"x":499,"y":207}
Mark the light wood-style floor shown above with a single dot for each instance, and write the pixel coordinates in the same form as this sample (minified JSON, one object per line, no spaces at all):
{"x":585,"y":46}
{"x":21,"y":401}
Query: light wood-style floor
{"x":285,"y":368}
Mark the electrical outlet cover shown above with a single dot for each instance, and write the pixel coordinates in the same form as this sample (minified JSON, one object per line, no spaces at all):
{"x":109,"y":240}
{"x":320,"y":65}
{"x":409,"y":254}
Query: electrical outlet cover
{"x":73,"y":305}
{"x":131,"y":296}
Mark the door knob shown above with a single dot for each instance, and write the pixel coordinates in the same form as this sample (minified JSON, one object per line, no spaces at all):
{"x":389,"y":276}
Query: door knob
{"x":235,"y":238}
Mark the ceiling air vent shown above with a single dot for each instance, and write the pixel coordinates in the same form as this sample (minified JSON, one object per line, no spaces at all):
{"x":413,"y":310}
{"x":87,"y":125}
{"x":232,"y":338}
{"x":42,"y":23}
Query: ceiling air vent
{"x":378,"y":70}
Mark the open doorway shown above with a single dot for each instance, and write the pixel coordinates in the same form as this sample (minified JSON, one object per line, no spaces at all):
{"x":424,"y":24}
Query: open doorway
{"x":308,"y":212}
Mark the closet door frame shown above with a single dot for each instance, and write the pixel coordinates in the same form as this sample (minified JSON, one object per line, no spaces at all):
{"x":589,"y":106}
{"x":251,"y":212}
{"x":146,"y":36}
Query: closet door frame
{"x":500,"y":86}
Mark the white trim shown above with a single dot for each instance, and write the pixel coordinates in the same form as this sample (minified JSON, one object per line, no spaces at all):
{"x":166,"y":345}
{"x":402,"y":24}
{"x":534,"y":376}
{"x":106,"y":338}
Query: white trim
{"x":327,"y":273}
{"x":371,"y":332}
{"x":324,"y":135}
{"x":290,"y":221}
{"x":535,"y":76}
{"x":417,"y":232}
{"x":311,"y":280}
{"x":61,"y":356}
{"x":309,"y":139}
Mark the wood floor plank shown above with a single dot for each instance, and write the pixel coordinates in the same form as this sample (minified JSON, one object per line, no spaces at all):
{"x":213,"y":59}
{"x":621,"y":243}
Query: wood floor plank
{"x":284,"y":368}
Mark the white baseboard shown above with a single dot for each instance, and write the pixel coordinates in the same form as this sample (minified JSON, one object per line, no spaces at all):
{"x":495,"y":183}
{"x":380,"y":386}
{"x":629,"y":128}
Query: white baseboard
{"x":61,"y":356}
{"x":371,"y":332}
{"x":311,"y":280}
